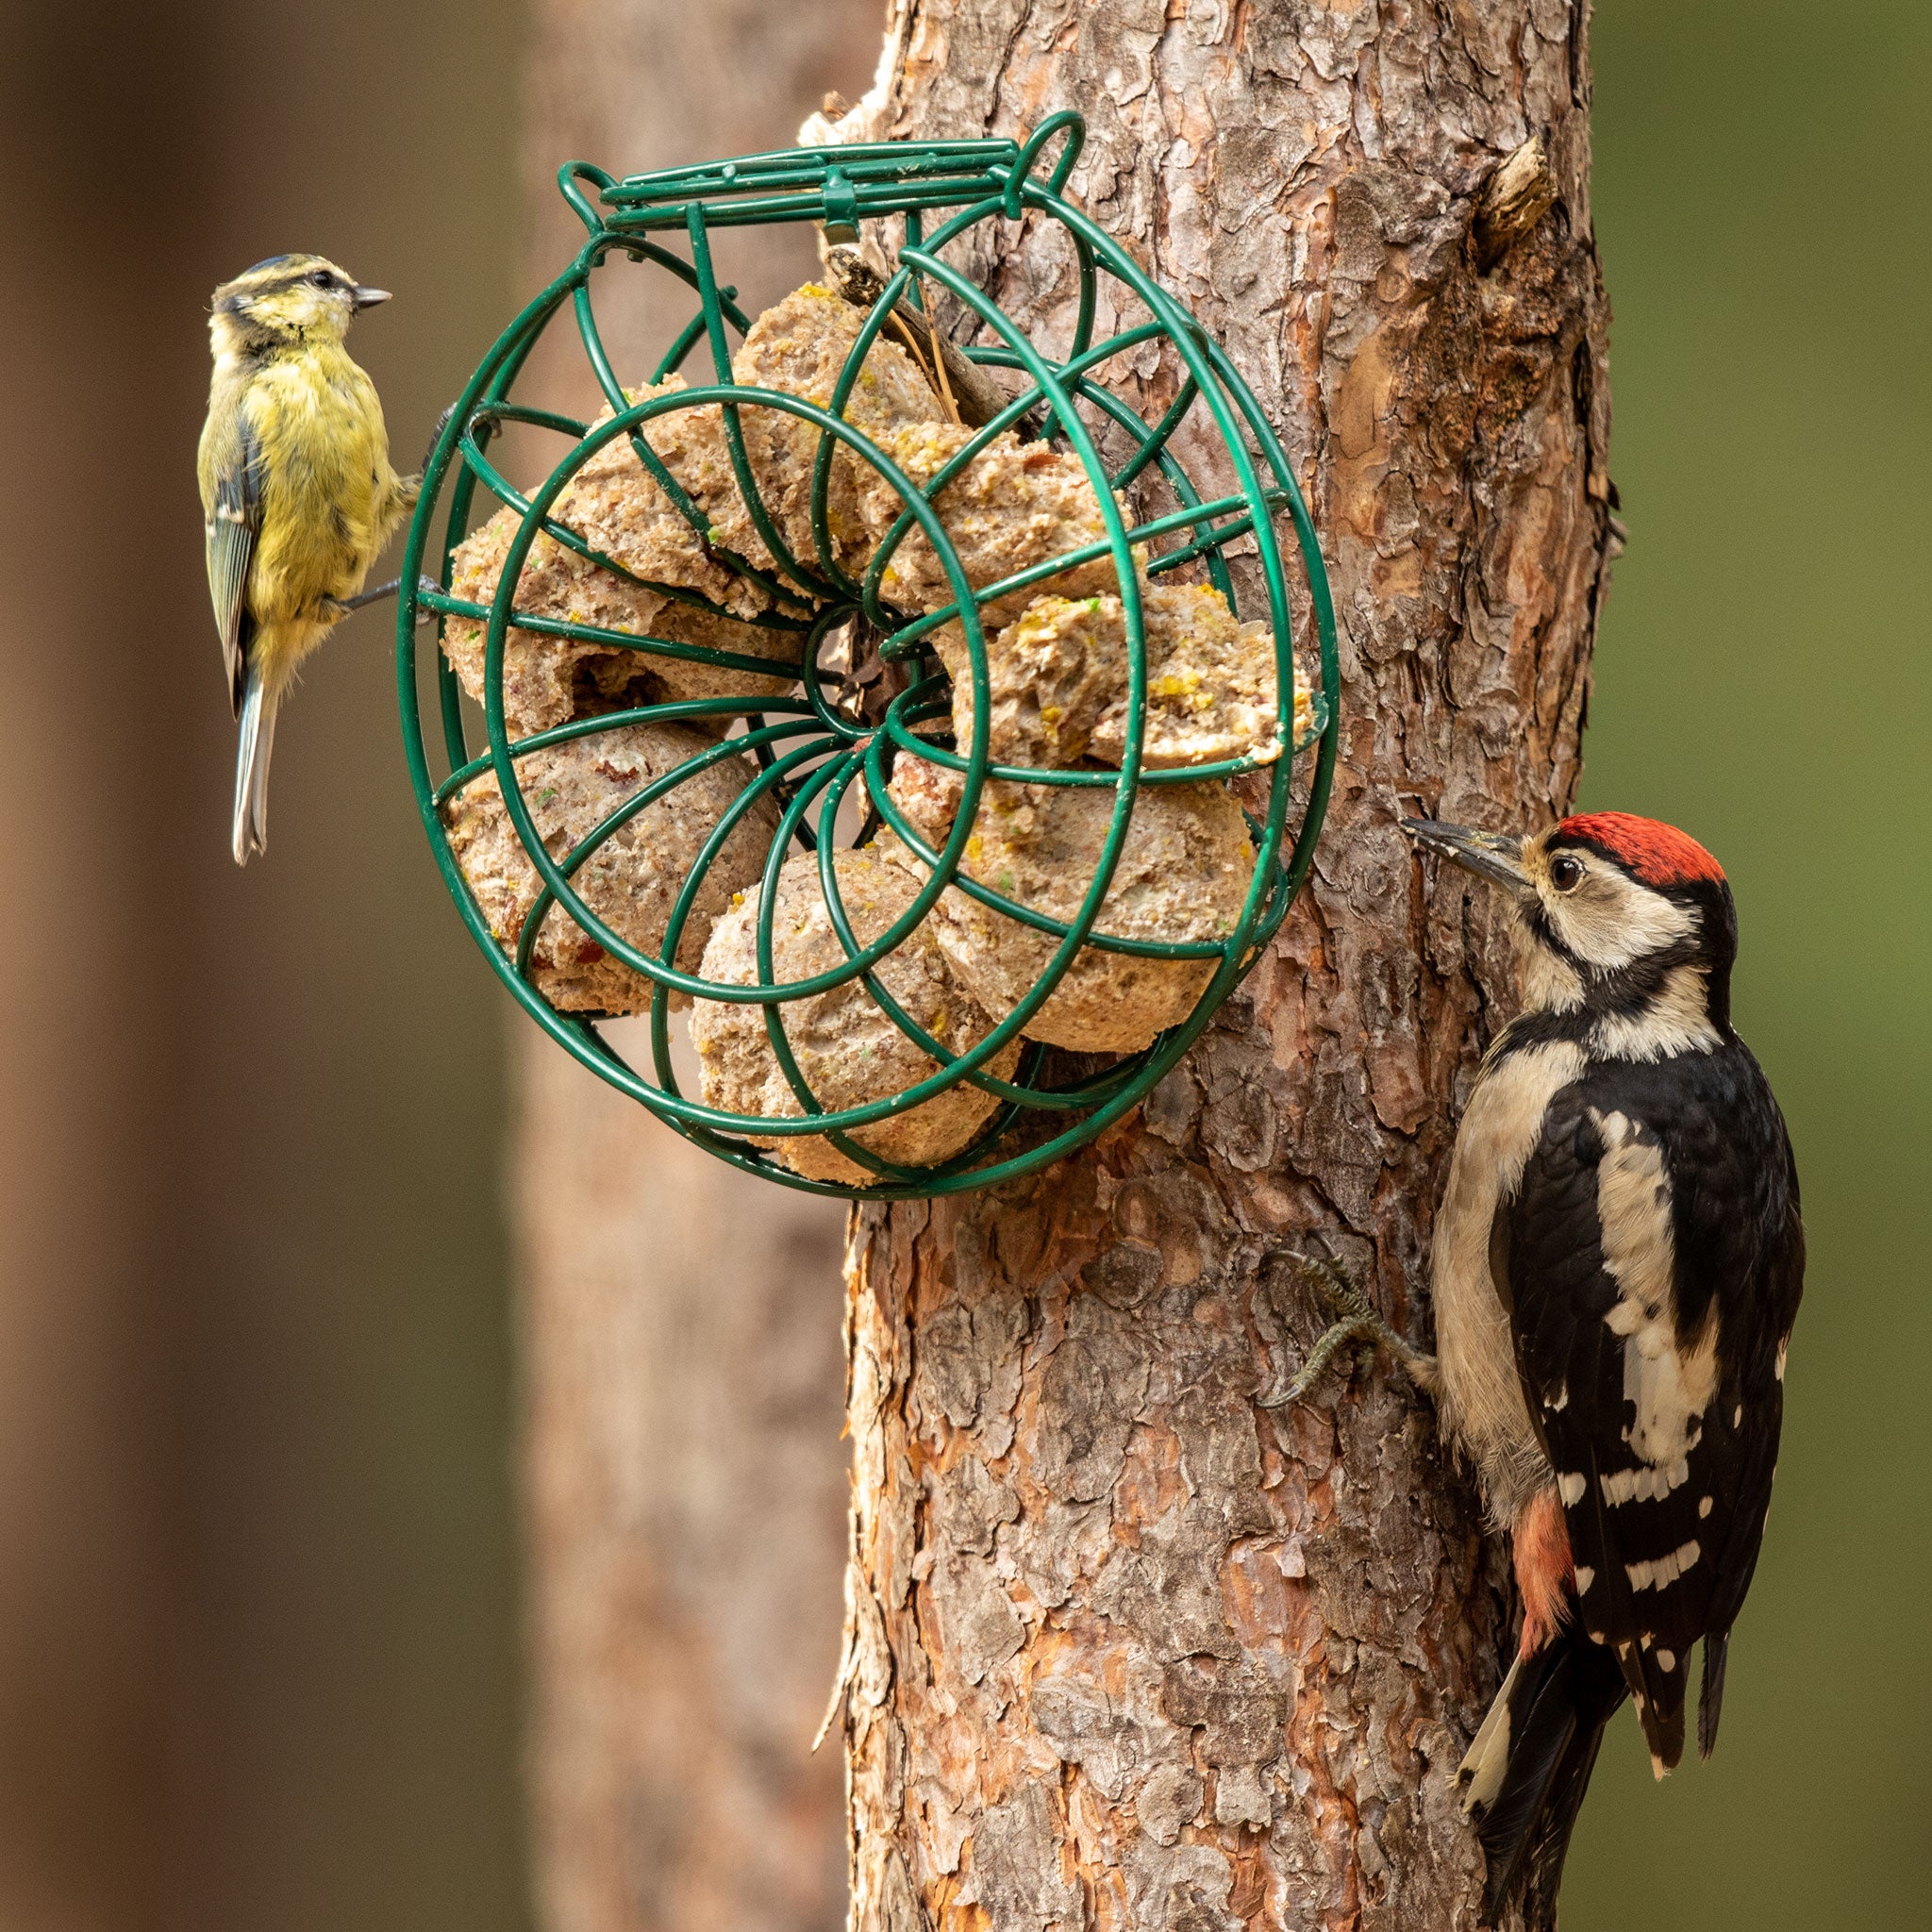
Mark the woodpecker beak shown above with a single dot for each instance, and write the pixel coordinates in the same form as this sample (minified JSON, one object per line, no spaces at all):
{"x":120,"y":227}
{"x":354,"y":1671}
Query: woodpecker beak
{"x":1494,"y":855}
{"x":368,"y":298}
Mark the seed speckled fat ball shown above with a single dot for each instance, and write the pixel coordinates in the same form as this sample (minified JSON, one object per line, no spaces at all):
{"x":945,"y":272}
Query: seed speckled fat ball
{"x":1058,"y":680}
{"x":801,"y":346}
{"x":633,"y":879}
{"x":928,"y":795}
{"x":618,"y":506}
{"x":547,"y":680}
{"x":1183,"y":874}
{"x":1015,"y":504}
{"x":848,"y":1050}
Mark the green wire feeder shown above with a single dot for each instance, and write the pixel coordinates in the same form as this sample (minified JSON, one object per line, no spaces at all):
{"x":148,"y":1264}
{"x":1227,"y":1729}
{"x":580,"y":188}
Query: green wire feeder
{"x":1056,"y":1101}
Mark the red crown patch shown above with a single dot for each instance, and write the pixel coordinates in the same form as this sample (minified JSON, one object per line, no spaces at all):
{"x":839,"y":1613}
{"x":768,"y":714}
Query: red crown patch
{"x":1657,"y":853}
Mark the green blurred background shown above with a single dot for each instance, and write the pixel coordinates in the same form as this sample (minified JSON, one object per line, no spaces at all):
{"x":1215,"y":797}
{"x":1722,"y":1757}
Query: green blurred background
{"x":258,"y":1638}
{"x":1765,"y":679}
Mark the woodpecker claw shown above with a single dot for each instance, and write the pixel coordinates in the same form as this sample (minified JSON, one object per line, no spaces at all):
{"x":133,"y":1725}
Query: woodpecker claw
{"x":1358,"y":1321}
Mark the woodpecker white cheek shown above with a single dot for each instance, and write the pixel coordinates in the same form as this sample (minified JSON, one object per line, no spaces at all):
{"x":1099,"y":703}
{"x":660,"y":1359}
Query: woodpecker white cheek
{"x":1549,"y":983}
{"x":1611,"y":920}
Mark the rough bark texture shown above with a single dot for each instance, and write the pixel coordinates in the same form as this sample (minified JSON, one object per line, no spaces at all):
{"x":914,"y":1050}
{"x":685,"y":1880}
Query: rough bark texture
{"x":1127,"y":1649}
{"x":685,"y":1478}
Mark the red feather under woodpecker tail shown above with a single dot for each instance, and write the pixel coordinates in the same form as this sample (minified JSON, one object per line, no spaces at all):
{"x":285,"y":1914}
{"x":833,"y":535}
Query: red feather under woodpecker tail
{"x":1525,"y":1774}
{"x":1544,"y":1569}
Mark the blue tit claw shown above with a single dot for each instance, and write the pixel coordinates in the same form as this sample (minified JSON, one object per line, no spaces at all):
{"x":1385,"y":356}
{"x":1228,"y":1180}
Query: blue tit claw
{"x":343,"y":605}
{"x":435,"y":436}
{"x":1357,"y":1322}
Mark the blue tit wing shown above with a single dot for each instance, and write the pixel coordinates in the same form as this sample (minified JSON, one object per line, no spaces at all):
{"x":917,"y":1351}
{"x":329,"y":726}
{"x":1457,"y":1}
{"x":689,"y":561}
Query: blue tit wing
{"x":233,"y":523}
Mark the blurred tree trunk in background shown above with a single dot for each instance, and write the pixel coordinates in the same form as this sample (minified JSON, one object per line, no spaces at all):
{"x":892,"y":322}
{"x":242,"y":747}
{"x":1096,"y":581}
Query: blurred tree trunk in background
{"x":1128,"y":1649}
{"x":258,"y":1648}
{"x":686,"y":1492}
{"x":685,"y":1477}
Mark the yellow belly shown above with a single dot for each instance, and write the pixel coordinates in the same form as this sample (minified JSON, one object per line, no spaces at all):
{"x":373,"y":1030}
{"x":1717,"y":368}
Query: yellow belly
{"x":329,"y":500}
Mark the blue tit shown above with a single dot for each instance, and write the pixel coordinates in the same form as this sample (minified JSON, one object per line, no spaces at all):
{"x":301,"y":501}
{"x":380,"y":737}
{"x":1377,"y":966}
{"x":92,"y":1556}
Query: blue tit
{"x":297,"y":489}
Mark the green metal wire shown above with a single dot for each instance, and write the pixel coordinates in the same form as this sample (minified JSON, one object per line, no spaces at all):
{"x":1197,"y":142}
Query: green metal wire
{"x":810,"y":754}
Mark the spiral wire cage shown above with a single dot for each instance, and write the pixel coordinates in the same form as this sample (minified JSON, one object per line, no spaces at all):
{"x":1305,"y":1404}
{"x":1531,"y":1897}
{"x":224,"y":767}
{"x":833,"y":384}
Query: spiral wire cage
{"x":810,"y":751}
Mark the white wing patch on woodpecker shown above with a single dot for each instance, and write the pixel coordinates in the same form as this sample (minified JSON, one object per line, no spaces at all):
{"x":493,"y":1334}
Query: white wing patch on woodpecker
{"x":1668,"y":1385}
{"x":1656,"y":1573}
{"x":1650,"y":1484}
{"x":1483,"y":1408}
{"x":1571,"y":1486}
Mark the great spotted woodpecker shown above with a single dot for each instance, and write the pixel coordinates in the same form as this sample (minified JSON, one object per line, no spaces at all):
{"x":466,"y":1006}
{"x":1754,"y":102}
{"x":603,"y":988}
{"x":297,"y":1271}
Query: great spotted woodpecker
{"x":1616,"y":1268}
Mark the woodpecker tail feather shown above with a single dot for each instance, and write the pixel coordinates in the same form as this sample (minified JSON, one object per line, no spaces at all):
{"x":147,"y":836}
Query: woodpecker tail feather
{"x":1710,"y":1702}
{"x":256,"y":745}
{"x":1549,"y":1842}
{"x":1525,"y":1774}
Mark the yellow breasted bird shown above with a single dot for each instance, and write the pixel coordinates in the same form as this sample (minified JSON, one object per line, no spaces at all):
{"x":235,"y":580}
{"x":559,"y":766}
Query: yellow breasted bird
{"x":296,"y":489}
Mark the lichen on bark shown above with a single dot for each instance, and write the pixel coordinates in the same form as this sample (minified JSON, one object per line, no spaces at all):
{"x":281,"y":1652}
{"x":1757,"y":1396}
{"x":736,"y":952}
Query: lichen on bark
{"x":1129,"y":1649}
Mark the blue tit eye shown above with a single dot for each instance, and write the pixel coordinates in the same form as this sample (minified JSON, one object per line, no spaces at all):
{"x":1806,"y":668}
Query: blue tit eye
{"x":1566,"y":874}
{"x":322,"y":280}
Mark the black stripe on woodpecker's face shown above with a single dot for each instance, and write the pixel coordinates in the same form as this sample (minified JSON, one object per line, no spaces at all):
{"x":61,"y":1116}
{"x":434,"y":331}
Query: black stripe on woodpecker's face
{"x":1632,"y":967}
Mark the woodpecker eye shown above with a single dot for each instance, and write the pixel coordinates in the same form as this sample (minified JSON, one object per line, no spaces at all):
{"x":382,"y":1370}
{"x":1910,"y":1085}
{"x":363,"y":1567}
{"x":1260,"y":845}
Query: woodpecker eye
{"x":1566,"y":874}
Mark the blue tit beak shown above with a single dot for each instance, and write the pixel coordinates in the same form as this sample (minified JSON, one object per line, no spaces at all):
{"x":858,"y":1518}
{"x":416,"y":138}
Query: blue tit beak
{"x":368,"y":298}
{"x":1494,"y":856}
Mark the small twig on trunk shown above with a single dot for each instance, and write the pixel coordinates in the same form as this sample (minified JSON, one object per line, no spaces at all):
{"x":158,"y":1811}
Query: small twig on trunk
{"x":972,"y":395}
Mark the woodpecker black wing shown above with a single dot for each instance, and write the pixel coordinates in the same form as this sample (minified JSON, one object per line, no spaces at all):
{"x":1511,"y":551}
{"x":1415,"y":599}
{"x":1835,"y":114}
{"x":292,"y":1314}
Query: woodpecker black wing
{"x":1654,"y":1259}
{"x":233,"y":521}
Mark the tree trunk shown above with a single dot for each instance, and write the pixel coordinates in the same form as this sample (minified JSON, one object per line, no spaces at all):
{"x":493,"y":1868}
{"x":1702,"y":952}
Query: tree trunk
{"x":685,"y":1479}
{"x":1128,"y":1650}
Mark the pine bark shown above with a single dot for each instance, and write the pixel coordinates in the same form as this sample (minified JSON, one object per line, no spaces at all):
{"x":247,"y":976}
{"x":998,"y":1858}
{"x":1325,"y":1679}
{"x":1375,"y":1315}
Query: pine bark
{"x":1127,"y":1649}
{"x":684,"y":1477}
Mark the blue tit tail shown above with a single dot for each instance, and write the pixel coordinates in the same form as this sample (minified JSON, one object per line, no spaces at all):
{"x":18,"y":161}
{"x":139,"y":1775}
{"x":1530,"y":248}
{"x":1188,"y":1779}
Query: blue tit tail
{"x":257,"y":742}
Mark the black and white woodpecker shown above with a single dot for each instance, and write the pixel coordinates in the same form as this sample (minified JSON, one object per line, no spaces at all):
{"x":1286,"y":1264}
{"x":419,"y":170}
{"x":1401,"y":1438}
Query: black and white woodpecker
{"x":1616,"y":1267}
